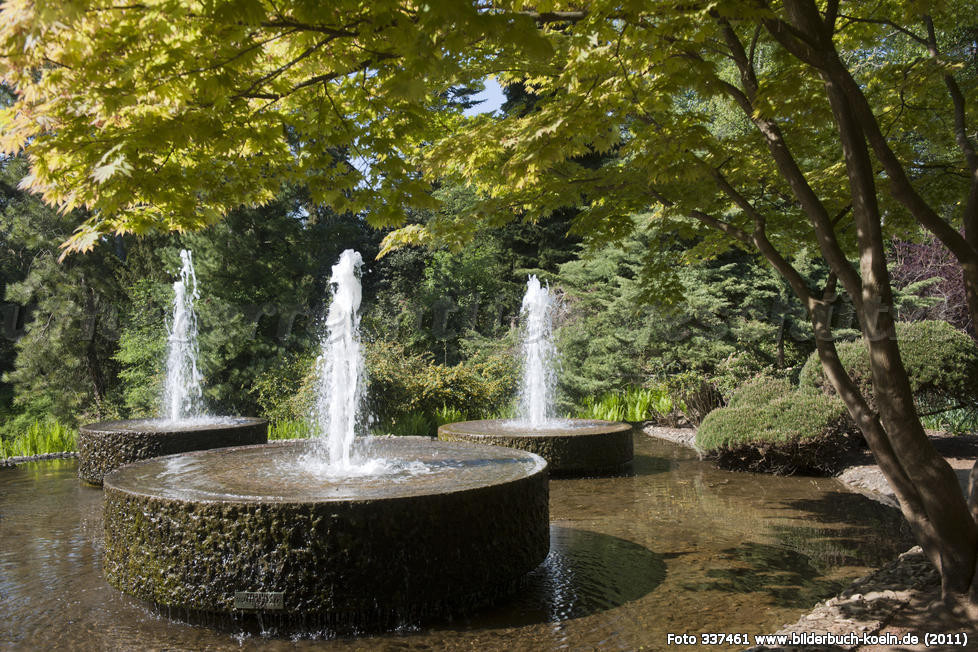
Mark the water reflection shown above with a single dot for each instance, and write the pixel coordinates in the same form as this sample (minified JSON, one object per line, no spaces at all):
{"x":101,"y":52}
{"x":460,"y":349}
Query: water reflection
{"x":585,"y":573}
{"x":788,"y":577}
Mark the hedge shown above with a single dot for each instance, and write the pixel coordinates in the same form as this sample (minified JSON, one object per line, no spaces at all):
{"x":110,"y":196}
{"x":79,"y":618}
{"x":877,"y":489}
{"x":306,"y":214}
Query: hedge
{"x":941,"y":362}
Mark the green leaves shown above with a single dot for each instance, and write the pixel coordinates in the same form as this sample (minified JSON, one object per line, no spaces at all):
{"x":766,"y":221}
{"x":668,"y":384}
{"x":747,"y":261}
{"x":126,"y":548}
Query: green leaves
{"x":163,"y":116}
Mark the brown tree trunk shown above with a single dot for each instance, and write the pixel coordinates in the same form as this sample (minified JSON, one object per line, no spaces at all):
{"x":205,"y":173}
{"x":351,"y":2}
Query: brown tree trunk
{"x":927,"y":488}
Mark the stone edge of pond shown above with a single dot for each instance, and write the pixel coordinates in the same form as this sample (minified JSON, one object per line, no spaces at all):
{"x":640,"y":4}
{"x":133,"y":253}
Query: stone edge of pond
{"x":11,"y":462}
{"x":900,"y":593}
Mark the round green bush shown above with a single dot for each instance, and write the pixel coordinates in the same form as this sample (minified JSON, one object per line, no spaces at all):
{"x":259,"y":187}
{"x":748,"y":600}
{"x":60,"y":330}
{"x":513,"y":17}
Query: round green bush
{"x":941,"y":362}
{"x":760,"y":391}
{"x":772,"y":427}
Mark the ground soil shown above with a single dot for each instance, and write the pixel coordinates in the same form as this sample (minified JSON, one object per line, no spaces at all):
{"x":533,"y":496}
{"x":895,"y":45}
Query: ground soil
{"x":901,"y":598}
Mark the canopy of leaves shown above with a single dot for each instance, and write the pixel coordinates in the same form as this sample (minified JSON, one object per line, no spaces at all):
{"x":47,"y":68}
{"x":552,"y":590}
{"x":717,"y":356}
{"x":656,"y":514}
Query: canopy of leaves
{"x":167,"y":115}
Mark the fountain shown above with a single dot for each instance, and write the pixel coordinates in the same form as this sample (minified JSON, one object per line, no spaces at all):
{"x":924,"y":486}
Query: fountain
{"x":338,"y":534}
{"x":183,"y":426}
{"x":570,"y":446}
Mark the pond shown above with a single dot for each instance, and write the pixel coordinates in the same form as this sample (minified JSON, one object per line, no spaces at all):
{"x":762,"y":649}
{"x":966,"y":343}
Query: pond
{"x":676,"y":546}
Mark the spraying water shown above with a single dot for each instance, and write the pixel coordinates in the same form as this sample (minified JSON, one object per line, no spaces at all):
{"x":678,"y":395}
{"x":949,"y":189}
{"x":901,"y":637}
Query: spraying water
{"x":539,"y":382}
{"x":182,"y":393}
{"x":340,"y":366}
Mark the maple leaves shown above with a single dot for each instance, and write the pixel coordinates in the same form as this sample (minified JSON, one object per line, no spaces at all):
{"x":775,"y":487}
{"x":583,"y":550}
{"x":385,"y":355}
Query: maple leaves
{"x":163,"y":115}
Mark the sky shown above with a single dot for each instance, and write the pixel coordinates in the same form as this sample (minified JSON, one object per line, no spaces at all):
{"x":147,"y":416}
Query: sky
{"x":492,"y":98}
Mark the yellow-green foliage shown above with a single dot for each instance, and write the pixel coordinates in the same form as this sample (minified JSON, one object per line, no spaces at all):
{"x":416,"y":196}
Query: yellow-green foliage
{"x":402,"y":383}
{"x":761,"y":391}
{"x":45,"y":436}
{"x":288,"y":429}
{"x":634,"y":404}
{"x":941,"y":363}
{"x":407,"y":392}
{"x":285,"y":392}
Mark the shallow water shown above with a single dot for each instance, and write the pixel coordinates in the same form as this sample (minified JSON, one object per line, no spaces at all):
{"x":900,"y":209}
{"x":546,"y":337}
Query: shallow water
{"x":282,"y":472}
{"x":675,"y":547}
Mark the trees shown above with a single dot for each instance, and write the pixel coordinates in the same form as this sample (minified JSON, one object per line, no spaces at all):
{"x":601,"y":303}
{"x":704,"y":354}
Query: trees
{"x":263,"y":274}
{"x":165,"y":116}
{"x":635,"y":314}
{"x":768,"y":126}
{"x":63,"y":364}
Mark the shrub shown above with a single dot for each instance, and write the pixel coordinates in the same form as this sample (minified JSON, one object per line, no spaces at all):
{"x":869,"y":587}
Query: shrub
{"x":771,"y":427}
{"x":406,"y":393}
{"x":694,"y":396}
{"x":941,"y":362}
{"x":403,"y":383}
{"x":761,"y":391}
{"x":285,"y":392}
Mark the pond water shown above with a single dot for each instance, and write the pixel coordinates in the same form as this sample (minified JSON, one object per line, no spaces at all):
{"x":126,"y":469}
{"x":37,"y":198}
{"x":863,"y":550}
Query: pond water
{"x":676,"y":546}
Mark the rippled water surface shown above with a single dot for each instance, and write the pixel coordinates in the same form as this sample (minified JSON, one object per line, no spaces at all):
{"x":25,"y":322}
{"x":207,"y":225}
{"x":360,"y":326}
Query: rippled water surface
{"x":675,"y":547}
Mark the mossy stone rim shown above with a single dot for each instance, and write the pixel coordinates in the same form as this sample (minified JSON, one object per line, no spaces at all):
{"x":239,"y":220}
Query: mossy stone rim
{"x":107,"y":445}
{"x":342,"y":566}
{"x":575,"y":448}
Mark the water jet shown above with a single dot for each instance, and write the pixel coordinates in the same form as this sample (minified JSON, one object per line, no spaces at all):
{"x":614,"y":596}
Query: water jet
{"x":570,"y":446}
{"x":341,"y":533}
{"x":182,"y":426}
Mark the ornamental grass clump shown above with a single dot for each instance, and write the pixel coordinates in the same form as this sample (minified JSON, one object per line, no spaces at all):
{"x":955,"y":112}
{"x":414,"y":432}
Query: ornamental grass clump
{"x":40,"y":438}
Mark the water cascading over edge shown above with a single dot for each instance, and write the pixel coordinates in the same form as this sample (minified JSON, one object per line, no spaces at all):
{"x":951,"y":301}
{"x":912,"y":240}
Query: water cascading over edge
{"x":182,"y":393}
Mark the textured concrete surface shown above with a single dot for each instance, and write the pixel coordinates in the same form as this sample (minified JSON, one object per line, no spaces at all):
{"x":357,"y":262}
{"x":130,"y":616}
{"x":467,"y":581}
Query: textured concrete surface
{"x":584,"y":448}
{"x":108,"y":445}
{"x":344,"y":564}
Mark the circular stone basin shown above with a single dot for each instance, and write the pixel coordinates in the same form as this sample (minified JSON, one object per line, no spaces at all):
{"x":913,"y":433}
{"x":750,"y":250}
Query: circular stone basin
{"x":570,"y":446}
{"x":108,"y":445}
{"x":258,"y":529}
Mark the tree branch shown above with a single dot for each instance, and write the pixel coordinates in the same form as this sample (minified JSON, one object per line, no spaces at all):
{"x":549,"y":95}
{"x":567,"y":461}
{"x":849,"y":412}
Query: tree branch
{"x":888,"y":23}
{"x":732,"y":231}
{"x":789,"y":168}
{"x":326,"y":77}
{"x":830,"y":65}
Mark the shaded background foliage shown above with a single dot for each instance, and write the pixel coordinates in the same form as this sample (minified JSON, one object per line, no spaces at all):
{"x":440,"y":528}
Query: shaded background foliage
{"x":651,"y":314}
{"x":440,"y":324}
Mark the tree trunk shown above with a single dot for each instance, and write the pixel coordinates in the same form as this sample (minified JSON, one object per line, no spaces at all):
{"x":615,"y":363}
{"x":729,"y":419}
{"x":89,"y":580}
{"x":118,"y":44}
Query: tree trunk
{"x":934,"y":504}
{"x":927,"y":488}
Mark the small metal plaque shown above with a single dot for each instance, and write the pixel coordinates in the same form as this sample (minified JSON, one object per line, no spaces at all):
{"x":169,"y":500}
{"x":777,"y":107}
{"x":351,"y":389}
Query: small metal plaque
{"x":259,"y":600}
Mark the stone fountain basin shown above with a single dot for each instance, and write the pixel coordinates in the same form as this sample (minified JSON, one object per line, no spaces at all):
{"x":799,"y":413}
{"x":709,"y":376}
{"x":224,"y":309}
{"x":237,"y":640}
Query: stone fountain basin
{"x":108,"y":445}
{"x":249,"y":530}
{"x":572,"y":447}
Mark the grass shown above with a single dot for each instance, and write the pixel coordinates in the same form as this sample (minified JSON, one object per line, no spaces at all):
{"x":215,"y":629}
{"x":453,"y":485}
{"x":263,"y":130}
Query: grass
{"x":288,"y":429}
{"x":633,"y":404}
{"x":960,"y":421}
{"x":41,"y":437}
